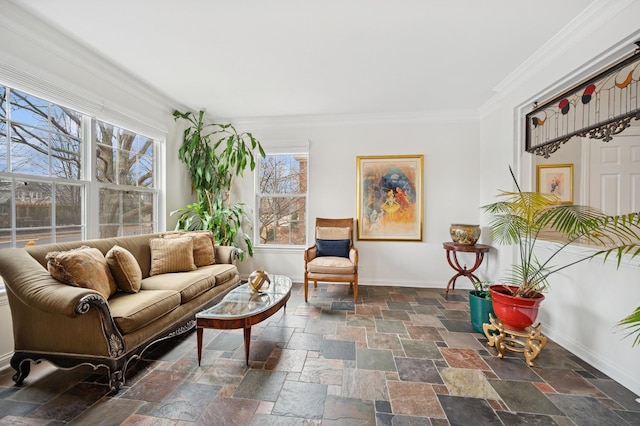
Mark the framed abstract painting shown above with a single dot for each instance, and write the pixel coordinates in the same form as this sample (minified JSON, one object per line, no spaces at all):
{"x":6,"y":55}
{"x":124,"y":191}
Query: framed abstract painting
{"x":389,"y":197}
{"x":556,"y":179}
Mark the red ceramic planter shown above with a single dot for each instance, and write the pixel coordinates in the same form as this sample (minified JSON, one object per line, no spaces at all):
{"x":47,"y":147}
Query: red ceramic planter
{"x":516,"y":313}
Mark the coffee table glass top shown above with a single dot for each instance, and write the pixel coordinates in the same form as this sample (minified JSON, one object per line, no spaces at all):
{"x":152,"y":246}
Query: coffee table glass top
{"x":242,"y":301}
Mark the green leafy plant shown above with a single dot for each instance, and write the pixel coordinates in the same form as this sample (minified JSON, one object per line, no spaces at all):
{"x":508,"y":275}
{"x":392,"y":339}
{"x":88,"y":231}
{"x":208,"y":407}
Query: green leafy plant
{"x":520,"y":217}
{"x":481,"y":290}
{"x":214,"y":155}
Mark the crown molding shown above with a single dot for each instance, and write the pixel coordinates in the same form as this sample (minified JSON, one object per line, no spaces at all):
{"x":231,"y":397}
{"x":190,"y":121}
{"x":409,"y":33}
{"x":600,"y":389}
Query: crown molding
{"x":463,"y":115}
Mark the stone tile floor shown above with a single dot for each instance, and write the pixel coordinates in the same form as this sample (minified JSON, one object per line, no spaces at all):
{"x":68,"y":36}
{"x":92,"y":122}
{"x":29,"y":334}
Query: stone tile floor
{"x":402,"y":356}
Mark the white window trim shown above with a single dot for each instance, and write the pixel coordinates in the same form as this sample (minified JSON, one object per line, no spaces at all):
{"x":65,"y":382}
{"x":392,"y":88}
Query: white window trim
{"x":281,"y":147}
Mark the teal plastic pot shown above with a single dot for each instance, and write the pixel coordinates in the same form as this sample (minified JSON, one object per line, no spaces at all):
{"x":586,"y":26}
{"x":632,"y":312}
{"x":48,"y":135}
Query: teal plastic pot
{"x":480,"y":308}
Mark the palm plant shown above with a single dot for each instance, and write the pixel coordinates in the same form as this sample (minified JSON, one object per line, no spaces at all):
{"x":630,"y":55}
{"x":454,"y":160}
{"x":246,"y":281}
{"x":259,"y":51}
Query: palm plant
{"x":214,"y":155}
{"x":519,"y":218}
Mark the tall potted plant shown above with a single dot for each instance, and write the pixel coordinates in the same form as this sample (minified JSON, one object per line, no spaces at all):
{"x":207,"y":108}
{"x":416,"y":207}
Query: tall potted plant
{"x":519,"y":217}
{"x":214,"y":155}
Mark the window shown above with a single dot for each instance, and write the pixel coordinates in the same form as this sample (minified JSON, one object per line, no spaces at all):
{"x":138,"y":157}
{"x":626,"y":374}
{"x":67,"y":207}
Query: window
{"x":46,"y":187}
{"x":125,"y":173}
{"x":282,"y":199}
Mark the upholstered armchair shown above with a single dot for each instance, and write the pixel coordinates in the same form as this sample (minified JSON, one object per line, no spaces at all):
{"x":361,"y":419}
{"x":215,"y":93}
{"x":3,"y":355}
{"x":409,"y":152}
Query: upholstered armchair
{"x":332,"y":258}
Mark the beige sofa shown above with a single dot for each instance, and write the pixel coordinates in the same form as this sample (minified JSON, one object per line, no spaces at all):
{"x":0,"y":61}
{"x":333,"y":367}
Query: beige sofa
{"x":70,"y":326}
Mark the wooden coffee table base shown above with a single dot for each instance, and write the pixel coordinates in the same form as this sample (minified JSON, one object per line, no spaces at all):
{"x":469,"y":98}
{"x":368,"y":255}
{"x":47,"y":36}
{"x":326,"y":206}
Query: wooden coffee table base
{"x":235,"y":323}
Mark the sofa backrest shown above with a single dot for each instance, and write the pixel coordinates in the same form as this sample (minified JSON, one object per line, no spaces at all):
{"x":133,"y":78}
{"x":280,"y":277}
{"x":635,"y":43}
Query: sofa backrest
{"x":138,"y":245}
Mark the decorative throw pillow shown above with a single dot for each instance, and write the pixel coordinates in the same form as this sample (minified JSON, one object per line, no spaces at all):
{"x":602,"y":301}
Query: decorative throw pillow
{"x":83,"y":267}
{"x":338,"y":248}
{"x":125,"y":269}
{"x":171,"y":255}
{"x":203,"y":250}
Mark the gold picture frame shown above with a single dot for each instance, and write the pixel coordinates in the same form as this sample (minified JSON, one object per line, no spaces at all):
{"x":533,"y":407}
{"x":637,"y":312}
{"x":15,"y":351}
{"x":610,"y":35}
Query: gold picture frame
{"x":556,"y":179}
{"x":389,"y":197}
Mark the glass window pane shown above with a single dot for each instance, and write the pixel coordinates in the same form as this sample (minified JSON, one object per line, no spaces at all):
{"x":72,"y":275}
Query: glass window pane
{"x":283,"y":174}
{"x":131,"y":207}
{"x":109,"y":206}
{"x":66,"y":121}
{"x":4,"y":147}
{"x":147,"y":201}
{"x":105,"y":164}
{"x":38,"y":236}
{"x":6,"y":209}
{"x":29,"y":150}
{"x":126,"y":168}
{"x":69,"y":234}
{"x":143,"y":172}
{"x":65,"y":157}
{"x":33,"y":204}
{"x":27,"y":109}
{"x":109,"y":231}
{"x":68,"y":205}
{"x":5,"y":239}
{"x":3,"y":102}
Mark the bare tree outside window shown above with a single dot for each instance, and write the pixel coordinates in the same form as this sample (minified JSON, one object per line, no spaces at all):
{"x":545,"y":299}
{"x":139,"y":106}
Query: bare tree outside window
{"x":282,"y":199}
{"x":46,"y":141}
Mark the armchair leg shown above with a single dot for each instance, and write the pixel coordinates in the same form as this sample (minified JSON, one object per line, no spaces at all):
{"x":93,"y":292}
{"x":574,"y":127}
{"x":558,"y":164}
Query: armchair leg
{"x":355,"y":291}
{"x":306,"y":289}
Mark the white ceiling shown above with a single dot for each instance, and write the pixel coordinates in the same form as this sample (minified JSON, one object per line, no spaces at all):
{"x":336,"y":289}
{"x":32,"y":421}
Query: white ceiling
{"x":257,"y":58}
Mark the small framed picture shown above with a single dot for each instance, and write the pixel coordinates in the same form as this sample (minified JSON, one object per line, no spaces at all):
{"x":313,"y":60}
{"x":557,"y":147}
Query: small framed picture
{"x":556,"y":179}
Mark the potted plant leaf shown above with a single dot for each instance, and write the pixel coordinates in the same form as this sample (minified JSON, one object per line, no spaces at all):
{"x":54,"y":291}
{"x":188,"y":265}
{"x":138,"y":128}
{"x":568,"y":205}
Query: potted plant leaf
{"x":214,"y":155}
{"x":480,"y":305}
{"x":519,"y":218}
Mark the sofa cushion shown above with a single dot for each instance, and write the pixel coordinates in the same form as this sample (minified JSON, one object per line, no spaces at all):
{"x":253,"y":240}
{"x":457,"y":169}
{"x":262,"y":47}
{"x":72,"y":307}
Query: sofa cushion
{"x":83,"y":267}
{"x":203,"y":250}
{"x":331,"y":265}
{"x":333,"y":233}
{"x":338,"y":248}
{"x":125,"y":269}
{"x":189,"y":284}
{"x":133,"y":311}
{"x":171,"y":255}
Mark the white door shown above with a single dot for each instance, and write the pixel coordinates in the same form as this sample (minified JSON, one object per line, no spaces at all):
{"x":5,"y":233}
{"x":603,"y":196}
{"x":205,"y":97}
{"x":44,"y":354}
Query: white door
{"x":614,"y":173}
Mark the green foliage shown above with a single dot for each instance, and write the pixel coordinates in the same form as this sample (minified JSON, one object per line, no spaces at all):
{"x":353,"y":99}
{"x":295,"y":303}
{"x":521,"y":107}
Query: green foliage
{"x":632,"y":323}
{"x":520,"y":217}
{"x":481,"y":290}
{"x":214,"y":154}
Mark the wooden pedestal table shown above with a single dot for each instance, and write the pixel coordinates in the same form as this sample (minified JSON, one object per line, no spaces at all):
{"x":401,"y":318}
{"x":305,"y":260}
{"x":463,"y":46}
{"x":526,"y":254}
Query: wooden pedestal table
{"x":242,"y":307}
{"x":528,"y":341}
{"x":461,"y":271}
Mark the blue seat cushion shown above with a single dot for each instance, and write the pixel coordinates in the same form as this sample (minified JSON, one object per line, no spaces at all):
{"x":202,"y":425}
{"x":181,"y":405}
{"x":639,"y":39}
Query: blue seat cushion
{"x":339,"y":248}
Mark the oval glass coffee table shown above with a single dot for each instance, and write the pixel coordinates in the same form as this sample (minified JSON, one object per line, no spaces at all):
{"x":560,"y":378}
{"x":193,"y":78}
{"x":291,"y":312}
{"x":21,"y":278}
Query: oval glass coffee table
{"x":242,"y":307}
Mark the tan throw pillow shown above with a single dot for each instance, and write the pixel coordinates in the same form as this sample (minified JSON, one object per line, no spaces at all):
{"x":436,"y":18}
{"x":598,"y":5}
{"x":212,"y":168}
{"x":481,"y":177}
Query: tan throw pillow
{"x":203,"y":250}
{"x":171,"y":255}
{"x":125,"y":269}
{"x":83,"y":267}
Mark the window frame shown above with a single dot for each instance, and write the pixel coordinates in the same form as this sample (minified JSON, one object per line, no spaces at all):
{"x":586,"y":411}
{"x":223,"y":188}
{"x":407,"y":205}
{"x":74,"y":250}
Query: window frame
{"x":291,"y":150}
{"x":87,"y":181}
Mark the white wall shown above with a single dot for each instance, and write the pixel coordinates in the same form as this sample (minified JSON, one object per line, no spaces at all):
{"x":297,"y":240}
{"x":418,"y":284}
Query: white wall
{"x":586,"y":301}
{"x":451,"y":176}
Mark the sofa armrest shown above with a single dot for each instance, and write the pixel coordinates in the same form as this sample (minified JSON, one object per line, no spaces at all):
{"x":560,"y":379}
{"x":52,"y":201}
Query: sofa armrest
{"x":34,"y":286}
{"x":226,"y":254}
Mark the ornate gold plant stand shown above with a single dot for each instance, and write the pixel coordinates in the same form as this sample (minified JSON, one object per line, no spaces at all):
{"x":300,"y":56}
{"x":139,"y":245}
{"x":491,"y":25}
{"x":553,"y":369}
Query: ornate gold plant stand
{"x":528,"y":341}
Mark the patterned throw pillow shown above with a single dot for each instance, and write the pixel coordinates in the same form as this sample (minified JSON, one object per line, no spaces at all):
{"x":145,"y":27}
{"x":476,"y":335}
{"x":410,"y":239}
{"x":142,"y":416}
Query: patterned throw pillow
{"x":171,"y":255}
{"x":83,"y":267}
{"x":125,"y":269}
{"x":203,"y":249}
